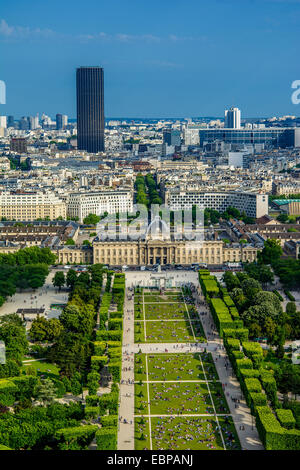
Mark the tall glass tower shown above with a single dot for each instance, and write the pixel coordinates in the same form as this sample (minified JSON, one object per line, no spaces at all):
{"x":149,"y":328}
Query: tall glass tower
{"x":90,"y":109}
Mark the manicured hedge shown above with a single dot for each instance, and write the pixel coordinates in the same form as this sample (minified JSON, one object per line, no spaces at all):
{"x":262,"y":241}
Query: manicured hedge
{"x":91,"y":411}
{"x":99,"y":348}
{"x":108,"y":401}
{"x":286,"y":418}
{"x":98,"y":362}
{"x":106,"y":438}
{"x":115,"y":324}
{"x":109,"y":421}
{"x":8,"y":392}
{"x":241,"y":333}
{"x":105,"y":335}
{"x":269,"y":385}
{"x":289,"y":295}
{"x":114,"y":344}
{"x":92,"y":400}
{"x":249,"y":373}
{"x":278,"y":295}
{"x":253,"y":351}
{"x":79,"y":436}
{"x":272,"y":434}
{"x":114,"y":368}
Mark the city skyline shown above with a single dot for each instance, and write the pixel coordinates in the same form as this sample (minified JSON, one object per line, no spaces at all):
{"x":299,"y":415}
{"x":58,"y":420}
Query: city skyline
{"x":171,"y":64}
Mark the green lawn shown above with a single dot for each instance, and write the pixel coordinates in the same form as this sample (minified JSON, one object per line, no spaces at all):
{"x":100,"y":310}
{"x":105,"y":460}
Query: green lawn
{"x":194,"y":433}
{"x":141,"y":434}
{"x":171,"y":396}
{"x":171,"y":331}
{"x":139,"y":336}
{"x":165,"y":311}
{"x":43,"y":368}
{"x":179,"y":398}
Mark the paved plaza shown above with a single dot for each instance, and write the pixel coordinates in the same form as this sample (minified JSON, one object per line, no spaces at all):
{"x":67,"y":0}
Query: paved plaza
{"x":43,"y":297}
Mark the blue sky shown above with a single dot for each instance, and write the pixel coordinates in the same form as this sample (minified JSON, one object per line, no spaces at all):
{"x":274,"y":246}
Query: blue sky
{"x":166,"y":58}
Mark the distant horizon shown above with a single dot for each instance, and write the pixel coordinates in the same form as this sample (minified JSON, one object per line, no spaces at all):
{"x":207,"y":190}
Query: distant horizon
{"x":157,"y":118}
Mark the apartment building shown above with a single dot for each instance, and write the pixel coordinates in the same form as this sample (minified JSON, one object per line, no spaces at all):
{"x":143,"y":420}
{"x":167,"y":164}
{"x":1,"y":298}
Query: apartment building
{"x":253,"y":204}
{"x":112,"y":201}
{"x":31,"y":206}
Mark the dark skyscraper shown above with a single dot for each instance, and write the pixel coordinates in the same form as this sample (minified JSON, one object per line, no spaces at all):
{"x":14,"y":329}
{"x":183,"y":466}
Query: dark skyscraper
{"x":59,"y":124}
{"x":90,"y":109}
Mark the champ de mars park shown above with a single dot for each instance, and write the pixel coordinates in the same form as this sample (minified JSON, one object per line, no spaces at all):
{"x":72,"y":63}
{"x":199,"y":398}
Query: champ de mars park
{"x":176,"y":360}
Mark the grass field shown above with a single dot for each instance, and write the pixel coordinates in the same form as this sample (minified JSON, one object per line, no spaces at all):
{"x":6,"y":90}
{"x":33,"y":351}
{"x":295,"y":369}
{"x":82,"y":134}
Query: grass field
{"x":43,"y":368}
{"x":181,"y":384}
{"x":169,"y":317}
{"x":175,"y":367}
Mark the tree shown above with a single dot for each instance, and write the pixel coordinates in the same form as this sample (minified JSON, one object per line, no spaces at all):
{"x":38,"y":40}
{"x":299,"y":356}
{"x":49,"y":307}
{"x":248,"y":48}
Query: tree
{"x":45,"y":391}
{"x":14,"y":336}
{"x":86,"y":242}
{"x":231,"y":280}
{"x":70,"y":242}
{"x":71,"y":278}
{"x":59,"y":279}
{"x":291,"y":308}
{"x":93,"y":380}
{"x":45,"y":330}
{"x":91,"y":219}
{"x":271,"y":252}
{"x":283,"y":218}
{"x":250,"y":287}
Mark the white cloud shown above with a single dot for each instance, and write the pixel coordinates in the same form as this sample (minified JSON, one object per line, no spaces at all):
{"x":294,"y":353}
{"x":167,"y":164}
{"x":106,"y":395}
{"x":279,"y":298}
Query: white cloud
{"x":8,"y":32}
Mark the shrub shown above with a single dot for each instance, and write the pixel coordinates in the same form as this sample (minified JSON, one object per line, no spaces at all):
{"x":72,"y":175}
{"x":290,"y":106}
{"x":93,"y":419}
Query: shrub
{"x":92,"y":400}
{"x":241,"y":333}
{"x":8,"y":392}
{"x":98,"y":362}
{"x":106,"y":438}
{"x":278,"y":295}
{"x":289,"y":295}
{"x":108,"y":402}
{"x":91,"y":411}
{"x":99,"y":348}
{"x":286,"y":418}
{"x":80,"y":436}
{"x":109,"y":421}
{"x":104,"y":335}
{"x":115,"y":370}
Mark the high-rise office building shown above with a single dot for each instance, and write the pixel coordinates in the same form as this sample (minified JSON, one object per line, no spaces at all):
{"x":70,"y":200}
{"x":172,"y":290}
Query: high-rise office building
{"x":59,"y":124}
{"x":3,"y":122}
{"x":172,"y":137}
{"x":90,"y":109}
{"x":232,"y":118}
{"x":64,"y":120}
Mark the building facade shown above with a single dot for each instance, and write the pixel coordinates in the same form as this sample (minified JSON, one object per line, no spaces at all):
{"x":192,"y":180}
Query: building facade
{"x":31,"y":206}
{"x":90,"y":109}
{"x":150,"y":252}
{"x":233,"y":118}
{"x":275,"y":137}
{"x":82,"y":204}
{"x":254,"y":205}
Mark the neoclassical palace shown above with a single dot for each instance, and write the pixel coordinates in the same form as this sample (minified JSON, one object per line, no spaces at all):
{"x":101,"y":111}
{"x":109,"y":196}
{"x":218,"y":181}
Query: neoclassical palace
{"x":156,"y":246}
{"x":162,"y":252}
